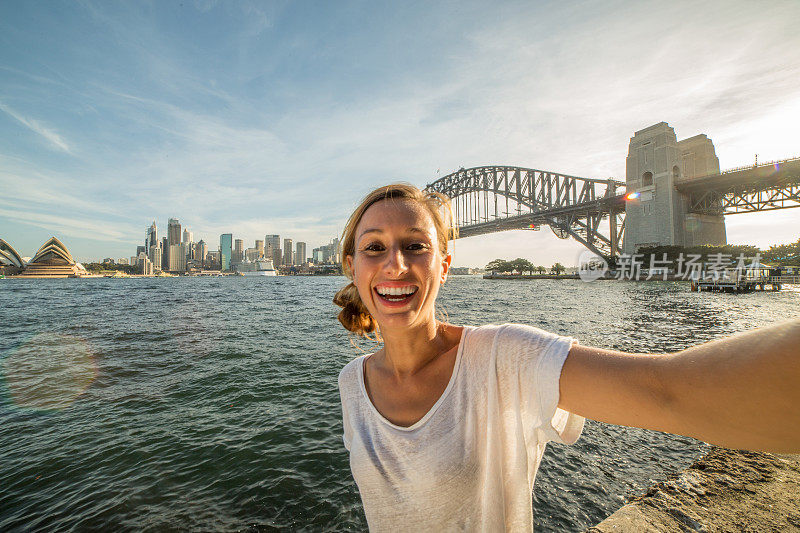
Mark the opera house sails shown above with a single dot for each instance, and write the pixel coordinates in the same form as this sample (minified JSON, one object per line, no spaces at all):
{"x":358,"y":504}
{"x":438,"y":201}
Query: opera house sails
{"x":53,"y":260}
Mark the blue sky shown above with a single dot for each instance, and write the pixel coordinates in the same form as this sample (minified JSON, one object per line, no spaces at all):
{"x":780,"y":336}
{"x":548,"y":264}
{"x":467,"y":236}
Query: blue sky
{"x":276,"y":117}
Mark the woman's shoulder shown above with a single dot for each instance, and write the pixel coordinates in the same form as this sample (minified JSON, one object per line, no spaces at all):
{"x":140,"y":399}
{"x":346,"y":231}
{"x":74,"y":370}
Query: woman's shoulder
{"x":508,"y":331}
{"x":510,"y":337}
{"x":348,"y":375}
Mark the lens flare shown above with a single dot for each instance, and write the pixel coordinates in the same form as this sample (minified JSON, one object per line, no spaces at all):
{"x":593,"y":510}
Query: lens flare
{"x":632,"y":196}
{"x":48,"y":372}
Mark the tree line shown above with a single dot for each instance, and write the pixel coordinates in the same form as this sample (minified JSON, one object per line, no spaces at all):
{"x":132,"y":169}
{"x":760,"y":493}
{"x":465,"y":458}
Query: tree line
{"x":777,"y":254}
{"x":521,"y":266}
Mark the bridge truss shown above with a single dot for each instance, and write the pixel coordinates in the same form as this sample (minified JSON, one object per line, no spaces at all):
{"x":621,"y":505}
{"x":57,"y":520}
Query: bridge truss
{"x":745,"y":190}
{"x":489,"y":199}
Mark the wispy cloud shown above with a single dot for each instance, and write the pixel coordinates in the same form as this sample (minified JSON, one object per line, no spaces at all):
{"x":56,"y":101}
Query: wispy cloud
{"x":51,"y":136}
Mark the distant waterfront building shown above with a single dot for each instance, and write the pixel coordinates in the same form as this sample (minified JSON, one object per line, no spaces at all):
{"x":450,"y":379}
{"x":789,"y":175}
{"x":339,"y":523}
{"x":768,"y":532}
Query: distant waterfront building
{"x":252,"y":254}
{"x":212,"y":260}
{"x":155,"y":256}
{"x":164,"y":254}
{"x":288,"y":252}
{"x":260,"y":247}
{"x":123,"y":261}
{"x":187,"y":236}
{"x":177,"y":258}
{"x":272,"y":249}
{"x":300,"y":255}
{"x":134,"y":259}
{"x":174,"y":231}
{"x":200,"y":252}
{"x":10,"y":260}
{"x":329,"y":253}
{"x":151,"y":236}
{"x":108,"y":260}
{"x":238,"y":251}
{"x":53,"y":260}
{"x":144,"y":264}
{"x":139,"y":250}
{"x":225,"y":250}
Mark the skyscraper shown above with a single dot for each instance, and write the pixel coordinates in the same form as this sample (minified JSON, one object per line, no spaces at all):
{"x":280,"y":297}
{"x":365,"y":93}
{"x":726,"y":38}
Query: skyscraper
{"x":187,"y":236}
{"x":173,"y":237}
{"x":225,"y":250}
{"x":300,"y":254}
{"x":155,"y":256}
{"x":177,"y":258}
{"x":164,"y":254}
{"x":272,"y":249}
{"x":260,"y":247}
{"x":288,"y":252}
{"x":200,"y":252}
{"x":173,"y":231}
{"x":238,"y":251}
{"x":151,"y":237}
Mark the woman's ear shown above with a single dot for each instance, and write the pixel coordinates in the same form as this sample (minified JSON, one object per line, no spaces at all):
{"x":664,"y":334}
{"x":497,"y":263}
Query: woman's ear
{"x":446,"y":266}
{"x":348,"y":259}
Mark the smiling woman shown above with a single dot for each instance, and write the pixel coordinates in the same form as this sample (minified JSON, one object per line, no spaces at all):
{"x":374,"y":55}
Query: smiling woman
{"x":446,"y":425}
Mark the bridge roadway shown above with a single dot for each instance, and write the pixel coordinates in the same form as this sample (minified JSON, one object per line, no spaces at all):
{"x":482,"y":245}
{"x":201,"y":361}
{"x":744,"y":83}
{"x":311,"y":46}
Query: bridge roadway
{"x":765,"y":187}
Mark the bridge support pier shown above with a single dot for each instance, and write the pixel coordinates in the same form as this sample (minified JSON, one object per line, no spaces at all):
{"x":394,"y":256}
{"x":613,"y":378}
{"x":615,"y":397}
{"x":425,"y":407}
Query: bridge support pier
{"x":659,"y":214}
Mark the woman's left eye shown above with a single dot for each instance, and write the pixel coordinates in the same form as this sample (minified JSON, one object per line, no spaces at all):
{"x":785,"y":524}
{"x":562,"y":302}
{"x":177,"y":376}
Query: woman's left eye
{"x":417,"y":246}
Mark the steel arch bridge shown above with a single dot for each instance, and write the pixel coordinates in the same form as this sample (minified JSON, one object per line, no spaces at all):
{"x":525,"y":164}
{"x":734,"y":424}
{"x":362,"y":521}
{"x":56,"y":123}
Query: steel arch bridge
{"x":489,"y":199}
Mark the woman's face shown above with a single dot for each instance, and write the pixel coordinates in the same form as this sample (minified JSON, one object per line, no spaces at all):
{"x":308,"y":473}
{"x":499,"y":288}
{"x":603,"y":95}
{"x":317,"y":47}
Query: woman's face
{"x":397,"y":265}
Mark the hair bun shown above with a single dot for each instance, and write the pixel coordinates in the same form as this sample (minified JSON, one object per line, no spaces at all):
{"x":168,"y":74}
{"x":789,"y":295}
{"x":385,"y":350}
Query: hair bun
{"x":354,"y":316}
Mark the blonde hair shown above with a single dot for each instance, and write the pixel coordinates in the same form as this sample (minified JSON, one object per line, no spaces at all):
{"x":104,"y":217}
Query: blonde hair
{"x":354,"y":315}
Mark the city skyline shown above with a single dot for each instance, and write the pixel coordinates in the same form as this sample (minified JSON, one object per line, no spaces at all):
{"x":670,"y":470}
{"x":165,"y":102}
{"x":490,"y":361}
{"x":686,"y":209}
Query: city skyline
{"x":247,"y":116}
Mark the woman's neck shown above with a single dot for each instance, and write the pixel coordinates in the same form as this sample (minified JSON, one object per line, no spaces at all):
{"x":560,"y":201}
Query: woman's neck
{"x":407,"y":351}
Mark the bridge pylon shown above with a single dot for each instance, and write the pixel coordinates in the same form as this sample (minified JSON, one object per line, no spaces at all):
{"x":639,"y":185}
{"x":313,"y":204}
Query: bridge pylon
{"x":656,"y":213}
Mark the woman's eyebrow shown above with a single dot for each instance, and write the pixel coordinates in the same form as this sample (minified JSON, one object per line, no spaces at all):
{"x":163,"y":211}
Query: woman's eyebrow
{"x":378,"y":230}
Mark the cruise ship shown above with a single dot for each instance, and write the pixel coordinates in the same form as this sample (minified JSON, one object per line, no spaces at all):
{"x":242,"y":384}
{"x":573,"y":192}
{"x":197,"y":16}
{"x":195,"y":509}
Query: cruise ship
{"x":261,"y":267}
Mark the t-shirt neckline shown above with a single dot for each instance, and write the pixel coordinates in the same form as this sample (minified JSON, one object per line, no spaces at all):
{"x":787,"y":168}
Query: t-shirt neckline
{"x":433,"y":409}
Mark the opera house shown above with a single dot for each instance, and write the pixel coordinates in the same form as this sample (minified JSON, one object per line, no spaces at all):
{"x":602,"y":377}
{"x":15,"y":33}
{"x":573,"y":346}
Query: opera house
{"x":53,"y":260}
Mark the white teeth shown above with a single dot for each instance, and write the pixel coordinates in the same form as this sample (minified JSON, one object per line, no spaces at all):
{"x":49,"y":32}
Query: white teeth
{"x":397,"y":291}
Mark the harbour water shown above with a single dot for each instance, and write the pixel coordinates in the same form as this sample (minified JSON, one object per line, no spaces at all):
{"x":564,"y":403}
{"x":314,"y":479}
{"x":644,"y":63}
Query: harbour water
{"x":211,"y":403}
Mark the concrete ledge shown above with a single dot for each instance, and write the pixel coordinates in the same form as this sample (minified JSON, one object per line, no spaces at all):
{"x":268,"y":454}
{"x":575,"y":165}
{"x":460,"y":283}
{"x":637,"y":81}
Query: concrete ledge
{"x":725,"y":490}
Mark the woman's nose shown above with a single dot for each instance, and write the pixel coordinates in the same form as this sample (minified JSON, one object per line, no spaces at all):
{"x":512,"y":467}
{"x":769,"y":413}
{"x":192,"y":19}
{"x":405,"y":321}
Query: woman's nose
{"x":395,"y":262}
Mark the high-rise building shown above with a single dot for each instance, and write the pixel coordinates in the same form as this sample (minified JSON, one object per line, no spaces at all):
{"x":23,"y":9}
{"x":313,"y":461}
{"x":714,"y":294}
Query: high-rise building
{"x":252,"y":254}
{"x":288,"y":252}
{"x":238,"y":251}
{"x":140,"y":250}
{"x":225,"y":250}
{"x":212,"y":259}
{"x":300,"y":254}
{"x":272,"y":249}
{"x":260,"y":248}
{"x":155,"y":256}
{"x":174,"y":231}
{"x":164,"y":254}
{"x":151,"y":236}
{"x":187,"y":236}
{"x":177,"y":258}
{"x":200,"y":252}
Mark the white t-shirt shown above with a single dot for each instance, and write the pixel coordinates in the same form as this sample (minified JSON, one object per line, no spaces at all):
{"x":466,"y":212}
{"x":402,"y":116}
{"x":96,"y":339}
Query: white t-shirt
{"x":470,"y":462}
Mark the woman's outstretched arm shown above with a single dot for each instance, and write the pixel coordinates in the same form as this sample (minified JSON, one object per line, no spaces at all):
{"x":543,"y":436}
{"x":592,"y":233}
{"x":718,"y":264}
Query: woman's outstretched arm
{"x":739,"y":392}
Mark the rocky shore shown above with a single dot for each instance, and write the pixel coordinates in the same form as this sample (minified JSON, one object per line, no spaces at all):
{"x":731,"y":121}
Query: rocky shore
{"x":725,"y":490}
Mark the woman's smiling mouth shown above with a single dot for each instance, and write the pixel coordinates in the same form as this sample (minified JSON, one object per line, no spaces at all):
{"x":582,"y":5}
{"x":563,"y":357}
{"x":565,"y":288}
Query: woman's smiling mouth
{"x":395,"y":295}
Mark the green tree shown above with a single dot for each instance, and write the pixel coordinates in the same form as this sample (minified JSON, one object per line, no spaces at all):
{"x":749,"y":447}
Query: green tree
{"x":499,"y":265}
{"x":557,"y":269}
{"x":522,"y":265}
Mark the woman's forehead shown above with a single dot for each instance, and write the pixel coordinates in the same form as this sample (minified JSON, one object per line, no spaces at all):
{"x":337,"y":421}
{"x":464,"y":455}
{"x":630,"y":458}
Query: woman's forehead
{"x":396,"y":214}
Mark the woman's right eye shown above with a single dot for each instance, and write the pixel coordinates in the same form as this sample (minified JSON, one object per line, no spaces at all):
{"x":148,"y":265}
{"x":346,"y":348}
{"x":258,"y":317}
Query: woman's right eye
{"x":373,"y":247}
